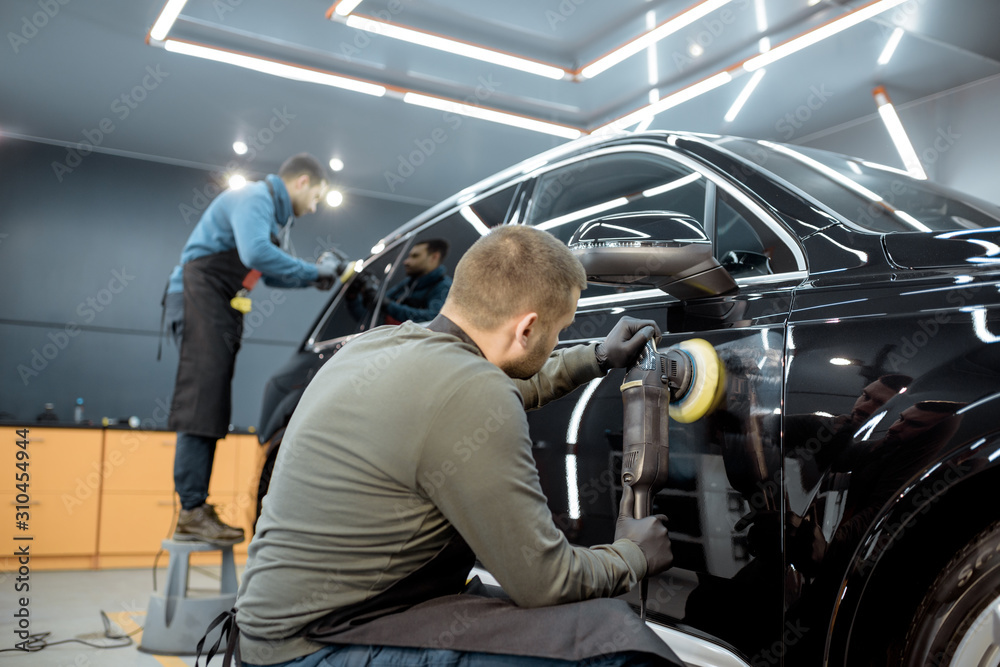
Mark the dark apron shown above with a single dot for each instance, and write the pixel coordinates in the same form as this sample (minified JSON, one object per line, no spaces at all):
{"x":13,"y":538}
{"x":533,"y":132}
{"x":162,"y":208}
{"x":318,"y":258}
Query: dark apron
{"x":427,"y":609}
{"x":202,"y":402}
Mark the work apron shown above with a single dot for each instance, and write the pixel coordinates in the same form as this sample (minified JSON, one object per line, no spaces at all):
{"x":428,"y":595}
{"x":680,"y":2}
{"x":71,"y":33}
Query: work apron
{"x":428,"y":609}
{"x":202,"y":402}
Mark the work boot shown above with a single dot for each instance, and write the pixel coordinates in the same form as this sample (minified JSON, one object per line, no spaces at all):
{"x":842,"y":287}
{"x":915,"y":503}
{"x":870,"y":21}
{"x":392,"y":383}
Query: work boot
{"x":202,"y":524}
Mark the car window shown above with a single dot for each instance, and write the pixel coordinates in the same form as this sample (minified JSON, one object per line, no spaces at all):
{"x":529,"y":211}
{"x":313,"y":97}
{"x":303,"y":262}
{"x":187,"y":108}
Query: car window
{"x":567,"y":197}
{"x":873,"y":196}
{"x":347,"y":316}
{"x":407,"y":297}
{"x":744,"y":245}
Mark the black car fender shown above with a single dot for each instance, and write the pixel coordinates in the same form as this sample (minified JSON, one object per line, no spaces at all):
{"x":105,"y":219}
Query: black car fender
{"x":918,"y":530}
{"x":280,"y":415}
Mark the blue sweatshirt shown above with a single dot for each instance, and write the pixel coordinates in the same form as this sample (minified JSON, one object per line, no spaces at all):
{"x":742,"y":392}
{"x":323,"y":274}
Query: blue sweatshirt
{"x":246,"y":219}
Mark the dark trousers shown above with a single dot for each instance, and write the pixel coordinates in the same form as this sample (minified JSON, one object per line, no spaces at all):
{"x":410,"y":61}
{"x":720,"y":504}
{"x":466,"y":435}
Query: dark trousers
{"x":193,"y":468}
{"x":195,"y":454}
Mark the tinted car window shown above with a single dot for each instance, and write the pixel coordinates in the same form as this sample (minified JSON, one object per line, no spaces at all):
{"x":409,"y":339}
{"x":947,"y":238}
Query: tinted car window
{"x":343,"y":320}
{"x":879,"y":199}
{"x":744,"y":245}
{"x":565,"y":198}
{"x":459,"y":230}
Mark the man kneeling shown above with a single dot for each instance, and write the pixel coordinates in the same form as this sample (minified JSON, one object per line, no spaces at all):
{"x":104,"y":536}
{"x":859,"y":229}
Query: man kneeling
{"x":385,"y":491}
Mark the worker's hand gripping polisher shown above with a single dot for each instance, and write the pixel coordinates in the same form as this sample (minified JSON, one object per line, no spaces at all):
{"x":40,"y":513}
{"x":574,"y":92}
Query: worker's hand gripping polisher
{"x":686,"y":382}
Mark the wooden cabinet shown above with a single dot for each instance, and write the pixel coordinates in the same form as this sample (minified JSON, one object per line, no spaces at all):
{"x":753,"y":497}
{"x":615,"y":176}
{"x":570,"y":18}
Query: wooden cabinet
{"x":105,"y":497}
{"x":139,"y":508}
{"x":65,"y":475}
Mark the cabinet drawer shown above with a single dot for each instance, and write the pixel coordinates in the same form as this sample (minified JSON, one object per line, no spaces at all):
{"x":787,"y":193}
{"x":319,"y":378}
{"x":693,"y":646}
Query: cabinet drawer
{"x":139,"y":461}
{"x":136,"y":523}
{"x":62,"y":524}
{"x":59,"y":459}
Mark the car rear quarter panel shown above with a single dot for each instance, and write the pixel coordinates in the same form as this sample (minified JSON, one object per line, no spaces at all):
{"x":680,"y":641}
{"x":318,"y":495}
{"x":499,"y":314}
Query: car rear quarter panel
{"x":864,"y":490}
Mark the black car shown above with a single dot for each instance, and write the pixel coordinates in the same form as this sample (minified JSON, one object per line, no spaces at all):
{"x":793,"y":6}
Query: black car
{"x":838,"y":506}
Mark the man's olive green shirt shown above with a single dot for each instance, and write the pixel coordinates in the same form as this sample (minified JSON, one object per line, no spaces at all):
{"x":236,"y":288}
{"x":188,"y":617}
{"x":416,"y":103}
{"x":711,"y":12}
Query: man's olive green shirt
{"x":406,"y":436}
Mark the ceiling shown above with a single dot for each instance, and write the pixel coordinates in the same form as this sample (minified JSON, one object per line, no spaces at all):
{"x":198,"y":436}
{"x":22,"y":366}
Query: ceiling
{"x":84,"y":71}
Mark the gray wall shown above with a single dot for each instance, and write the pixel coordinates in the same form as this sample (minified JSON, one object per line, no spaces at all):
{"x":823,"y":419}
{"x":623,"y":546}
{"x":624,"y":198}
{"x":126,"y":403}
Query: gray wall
{"x":85,"y":260}
{"x":956,"y":133}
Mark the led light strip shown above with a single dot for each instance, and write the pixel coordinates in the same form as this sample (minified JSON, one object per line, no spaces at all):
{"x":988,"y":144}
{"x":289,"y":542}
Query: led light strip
{"x":744,"y":95}
{"x":795,"y":44}
{"x":482,"y":113}
{"x":752,"y":64}
{"x":890,"y":46}
{"x":898,"y":134}
{"x":681,"y":96}
{"x":273,"y":67}
{"x":431,"y":40}
{"x":647,"y":39}
{"x":345,"y":7}
{"x":165,"y":21}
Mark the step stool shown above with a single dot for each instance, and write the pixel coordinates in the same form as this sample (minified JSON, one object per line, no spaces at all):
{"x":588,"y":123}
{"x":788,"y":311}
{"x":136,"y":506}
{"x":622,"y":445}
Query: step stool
{"x":175,"y":623}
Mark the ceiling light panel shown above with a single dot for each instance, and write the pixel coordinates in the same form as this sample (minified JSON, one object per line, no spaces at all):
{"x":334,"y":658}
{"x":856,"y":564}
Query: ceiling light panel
{"x":651,"y":37}
{"x":455,"y":47}
{"x":273,"y":67}
{"x":482,"y":113}
{"x":871,"y":10}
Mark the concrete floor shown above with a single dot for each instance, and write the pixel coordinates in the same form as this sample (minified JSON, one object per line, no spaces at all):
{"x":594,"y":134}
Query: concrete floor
{"x":68,"y":604}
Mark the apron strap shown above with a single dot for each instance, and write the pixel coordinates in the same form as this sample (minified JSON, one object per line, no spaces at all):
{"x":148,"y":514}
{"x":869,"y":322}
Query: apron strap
{"x":163,"y":318}
{"x":231,"y":632}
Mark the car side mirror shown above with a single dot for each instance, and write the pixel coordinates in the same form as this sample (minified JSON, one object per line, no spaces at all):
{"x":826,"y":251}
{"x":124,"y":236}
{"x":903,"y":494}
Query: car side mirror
{"x":662,"y":249}
{"x":746,"y":262}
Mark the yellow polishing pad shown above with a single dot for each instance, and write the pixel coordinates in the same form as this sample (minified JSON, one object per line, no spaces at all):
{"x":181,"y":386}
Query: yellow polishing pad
{"x":348,"y":272}
{"x":707,"y":386}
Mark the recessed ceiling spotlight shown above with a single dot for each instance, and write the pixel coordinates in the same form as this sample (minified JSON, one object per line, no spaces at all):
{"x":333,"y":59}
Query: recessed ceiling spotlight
{"x":334,"y":198}
{"x":336,"y":164}
{"x":695,"y":49}
{"x":237,"y":181}
{"x":239,"y":148}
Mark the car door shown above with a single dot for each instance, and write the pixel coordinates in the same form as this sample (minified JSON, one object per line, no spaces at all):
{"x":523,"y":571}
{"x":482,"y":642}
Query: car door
{"x":723,"y":497}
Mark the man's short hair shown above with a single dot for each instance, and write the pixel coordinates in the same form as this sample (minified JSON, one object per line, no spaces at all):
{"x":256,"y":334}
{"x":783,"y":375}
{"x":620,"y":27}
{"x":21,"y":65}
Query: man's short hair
{"x":514,"y":270}
{"x":435,"y":246}
{"x":303,"y":163}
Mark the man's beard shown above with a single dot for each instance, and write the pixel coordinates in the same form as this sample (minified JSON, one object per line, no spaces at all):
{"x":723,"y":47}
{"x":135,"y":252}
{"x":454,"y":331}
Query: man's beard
{"x":530,"y":363}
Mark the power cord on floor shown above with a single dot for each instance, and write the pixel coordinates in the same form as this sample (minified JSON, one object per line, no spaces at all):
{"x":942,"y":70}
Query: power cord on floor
{"x":39,"y":640}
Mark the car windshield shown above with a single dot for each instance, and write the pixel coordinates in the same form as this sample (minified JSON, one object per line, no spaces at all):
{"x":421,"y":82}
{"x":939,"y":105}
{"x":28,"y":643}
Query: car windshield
{"x":872,"y":196}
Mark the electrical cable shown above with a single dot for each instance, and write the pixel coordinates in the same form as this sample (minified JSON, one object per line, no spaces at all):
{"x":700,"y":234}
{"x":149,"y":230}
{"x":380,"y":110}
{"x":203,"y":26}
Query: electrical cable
{"x":39,"y":640}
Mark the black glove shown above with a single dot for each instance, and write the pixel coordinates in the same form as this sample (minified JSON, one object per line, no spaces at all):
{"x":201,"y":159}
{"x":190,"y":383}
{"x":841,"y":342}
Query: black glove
{"x":622,"y":346}
{"x":649,"y":533}
{"x":368,"y":294}
{"x":328,"y":267}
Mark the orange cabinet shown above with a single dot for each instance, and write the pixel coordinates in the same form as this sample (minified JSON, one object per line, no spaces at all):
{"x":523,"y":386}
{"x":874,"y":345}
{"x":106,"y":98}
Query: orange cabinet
{"x":139,"y":507}
{"x":105,"y":497}
{"x":60,"y":504}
